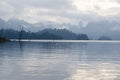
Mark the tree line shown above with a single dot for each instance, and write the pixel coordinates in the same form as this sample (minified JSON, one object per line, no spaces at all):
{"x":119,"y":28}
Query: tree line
{"x":54,"y":34}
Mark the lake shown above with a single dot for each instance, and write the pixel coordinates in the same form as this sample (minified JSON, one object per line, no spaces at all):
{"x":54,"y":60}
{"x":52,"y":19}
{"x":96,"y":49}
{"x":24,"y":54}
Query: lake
{"x":60,"y":60}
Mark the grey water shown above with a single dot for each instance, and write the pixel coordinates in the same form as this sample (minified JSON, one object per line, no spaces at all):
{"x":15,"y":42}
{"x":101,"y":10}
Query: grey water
{"x":59,"y":60}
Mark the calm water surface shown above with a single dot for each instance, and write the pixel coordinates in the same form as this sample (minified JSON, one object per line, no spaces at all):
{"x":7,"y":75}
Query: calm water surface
{"x":59,"y":61}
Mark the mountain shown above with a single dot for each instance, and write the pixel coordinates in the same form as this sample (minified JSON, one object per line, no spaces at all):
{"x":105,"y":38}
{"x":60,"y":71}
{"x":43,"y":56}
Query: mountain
{"x":66,"y":34}
{"x":42,"y":34}
{"x":99,"y":28}
{"x":3,"y":24}
{"x":104,"y":38}
{"x":93,"y":29}
{"x":16,"y":23}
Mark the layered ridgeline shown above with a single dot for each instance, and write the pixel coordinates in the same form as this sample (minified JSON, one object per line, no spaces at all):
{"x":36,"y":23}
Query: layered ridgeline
{"x":104,"y":38}
{"x":56,"y":34}
{"x":93,"y":29}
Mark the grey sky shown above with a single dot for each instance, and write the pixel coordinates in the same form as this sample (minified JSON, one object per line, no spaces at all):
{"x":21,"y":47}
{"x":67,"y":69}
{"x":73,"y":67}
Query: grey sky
{"x":68,"y":11}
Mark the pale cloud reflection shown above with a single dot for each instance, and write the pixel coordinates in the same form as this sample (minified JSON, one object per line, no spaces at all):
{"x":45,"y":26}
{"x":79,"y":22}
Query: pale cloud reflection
{"x":103,"y":71}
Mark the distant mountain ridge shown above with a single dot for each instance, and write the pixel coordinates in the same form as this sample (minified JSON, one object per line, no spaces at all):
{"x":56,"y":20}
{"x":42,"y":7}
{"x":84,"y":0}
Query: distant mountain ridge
{"x":43,"y":34}
{"x":104,"y":38}
{"x":93,"y":29}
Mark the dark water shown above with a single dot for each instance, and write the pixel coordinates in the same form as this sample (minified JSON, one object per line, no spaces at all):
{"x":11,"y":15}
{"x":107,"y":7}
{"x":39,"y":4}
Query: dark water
{"x":59,"y":61}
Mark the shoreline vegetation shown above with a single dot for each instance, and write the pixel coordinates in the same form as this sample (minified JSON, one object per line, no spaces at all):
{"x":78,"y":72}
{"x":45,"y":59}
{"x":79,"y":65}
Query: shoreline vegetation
{"x":45,"y":34}
{"x":2,"y":39}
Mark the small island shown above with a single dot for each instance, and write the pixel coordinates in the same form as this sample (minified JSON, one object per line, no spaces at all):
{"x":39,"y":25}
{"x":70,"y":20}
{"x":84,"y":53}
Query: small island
{"x":104,"y":38}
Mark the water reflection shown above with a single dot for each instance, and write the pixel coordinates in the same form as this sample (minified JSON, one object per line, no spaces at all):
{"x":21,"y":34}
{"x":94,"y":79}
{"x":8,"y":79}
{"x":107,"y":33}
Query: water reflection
{"x":59,"y":61}
{"x":21,"y":44}
{"x":102,"y":71}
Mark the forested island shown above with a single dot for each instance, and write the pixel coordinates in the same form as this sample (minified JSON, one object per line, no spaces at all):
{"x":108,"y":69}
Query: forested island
{"x":45,"y":34}
{"x":104,"y":38}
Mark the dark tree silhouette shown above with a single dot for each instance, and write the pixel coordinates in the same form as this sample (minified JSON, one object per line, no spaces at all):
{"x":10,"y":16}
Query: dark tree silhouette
{"x":44,"y":34}
{"x":82,"y":37}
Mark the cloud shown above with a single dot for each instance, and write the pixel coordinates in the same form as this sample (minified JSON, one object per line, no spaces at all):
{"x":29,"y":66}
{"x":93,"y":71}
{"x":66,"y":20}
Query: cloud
{"x":53,"y":4}
{"x":118,"y":1}
{"x":99,"y":7}
{"x":34,"y":8}
{"x":69,"y":11}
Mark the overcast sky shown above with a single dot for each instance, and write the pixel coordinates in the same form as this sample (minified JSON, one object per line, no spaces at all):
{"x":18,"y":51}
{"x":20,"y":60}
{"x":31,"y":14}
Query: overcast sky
{"x":68,"y":11}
